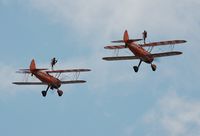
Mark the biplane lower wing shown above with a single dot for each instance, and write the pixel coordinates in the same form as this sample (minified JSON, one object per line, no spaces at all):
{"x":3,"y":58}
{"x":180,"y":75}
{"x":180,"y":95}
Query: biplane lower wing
{"x":73,"y":82}
{"x":120,"y":58}
{"x":112,"y":47}
{"x":41,"y":83}
{"x":29,"y":83}
{"x":155,"y":55}
{"x":172,"y":42}
{"x":165,"y":54}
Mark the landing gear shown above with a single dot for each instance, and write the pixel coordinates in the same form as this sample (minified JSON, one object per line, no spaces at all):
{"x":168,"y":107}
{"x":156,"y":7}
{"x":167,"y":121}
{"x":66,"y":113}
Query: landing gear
{"x":136,"y":68}
{"x":60,"y":92}
{"x":44,"y":93}
{"x":153,"y":66}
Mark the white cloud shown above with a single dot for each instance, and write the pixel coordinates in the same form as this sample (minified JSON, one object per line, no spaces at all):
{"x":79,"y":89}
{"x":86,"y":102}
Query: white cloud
{"x":113,"y":16}
{"x":174,"y":116}
{"x":7,"y":75}
{"x":106,"y":20}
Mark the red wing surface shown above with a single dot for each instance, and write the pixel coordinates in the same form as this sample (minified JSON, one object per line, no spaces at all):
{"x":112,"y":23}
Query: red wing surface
{"x":163,"y":43}
{"x":29,"y":83}
{"x":120,"y":58}
{"x":115,"y":47}
{"x":165,"y":54}
{"x":68,"y":70}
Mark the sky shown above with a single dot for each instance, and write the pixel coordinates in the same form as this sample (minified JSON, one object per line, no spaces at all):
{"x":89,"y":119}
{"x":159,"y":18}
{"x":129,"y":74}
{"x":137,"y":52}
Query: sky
{"x":115,"y":101}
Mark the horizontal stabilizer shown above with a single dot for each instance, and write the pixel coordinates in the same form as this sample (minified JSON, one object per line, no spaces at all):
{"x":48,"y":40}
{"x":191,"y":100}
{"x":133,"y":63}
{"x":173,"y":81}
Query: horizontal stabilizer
{"x":28,"y":70}
{"x":130,"y":40}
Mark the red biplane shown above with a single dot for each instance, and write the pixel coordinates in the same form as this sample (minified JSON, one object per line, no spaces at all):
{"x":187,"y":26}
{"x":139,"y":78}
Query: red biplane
{"x":140,"y":53}
{"x":52,"y":82}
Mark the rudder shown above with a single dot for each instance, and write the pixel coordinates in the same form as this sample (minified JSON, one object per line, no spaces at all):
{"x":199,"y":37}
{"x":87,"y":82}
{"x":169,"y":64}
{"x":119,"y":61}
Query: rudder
{"x":126,"y":36}
{"x":32,"y":65}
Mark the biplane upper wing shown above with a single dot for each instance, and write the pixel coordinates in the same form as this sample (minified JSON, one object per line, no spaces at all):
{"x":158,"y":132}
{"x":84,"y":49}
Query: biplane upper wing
{"x":165,"y":54}
{"x":120,"y":58}
{"x":111,"y":47}
{"x":29,"y":83}
{"x":172,"y":42}
{"x":68,"y":70}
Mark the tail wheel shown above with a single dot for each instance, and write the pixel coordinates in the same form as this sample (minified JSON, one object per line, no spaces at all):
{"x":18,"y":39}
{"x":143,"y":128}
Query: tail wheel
{"x":60,"y":93}
{"x":135,"y":68}
{"x":44,"y":93}
{"x":153,"y":66}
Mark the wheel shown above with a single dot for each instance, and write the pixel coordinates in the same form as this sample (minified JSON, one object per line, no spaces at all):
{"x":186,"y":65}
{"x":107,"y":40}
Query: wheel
{"x":44,"y":93}
{"x":135,"y":68}
{"x":153,"y":66}
{"x":60,"y":93}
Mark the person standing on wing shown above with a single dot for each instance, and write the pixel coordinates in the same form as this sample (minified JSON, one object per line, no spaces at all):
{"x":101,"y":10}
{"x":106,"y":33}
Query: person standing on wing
{"x":53,"y":62}
{"x":144,"y":36}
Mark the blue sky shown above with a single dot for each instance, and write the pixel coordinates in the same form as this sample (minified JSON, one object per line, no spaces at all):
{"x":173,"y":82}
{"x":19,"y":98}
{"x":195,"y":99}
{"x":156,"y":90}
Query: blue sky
{"x":115,"y":100}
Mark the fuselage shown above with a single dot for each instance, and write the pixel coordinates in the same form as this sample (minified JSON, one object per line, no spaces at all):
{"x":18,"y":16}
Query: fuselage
{"x":48,"y":79}
{"x":143,"y":54}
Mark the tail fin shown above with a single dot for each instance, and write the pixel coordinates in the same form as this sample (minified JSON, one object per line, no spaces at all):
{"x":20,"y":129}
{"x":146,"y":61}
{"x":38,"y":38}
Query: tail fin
{"x":126,"y":37}
{"x":32,"y":66}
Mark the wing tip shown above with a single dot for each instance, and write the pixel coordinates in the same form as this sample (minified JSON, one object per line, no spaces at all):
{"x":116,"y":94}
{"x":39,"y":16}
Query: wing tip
{"x":118,"y":41}
{"x":105,"y":58}
{"x":87,"y":70}
{"x":179,"y":52}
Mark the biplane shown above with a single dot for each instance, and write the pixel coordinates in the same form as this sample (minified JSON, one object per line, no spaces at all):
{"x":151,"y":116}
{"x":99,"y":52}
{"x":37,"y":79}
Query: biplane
{"x":140,"y":53}
{"x":46,"y":77}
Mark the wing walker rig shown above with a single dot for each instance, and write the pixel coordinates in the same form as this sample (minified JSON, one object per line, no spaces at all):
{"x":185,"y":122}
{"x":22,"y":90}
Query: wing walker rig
{"x":52,"y":82}
{"x":139,"y":52}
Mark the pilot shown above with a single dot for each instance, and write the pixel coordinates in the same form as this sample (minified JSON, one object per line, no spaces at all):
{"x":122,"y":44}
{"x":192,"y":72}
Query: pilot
{"x":144,"y":36}
{"x":53,"y":62}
